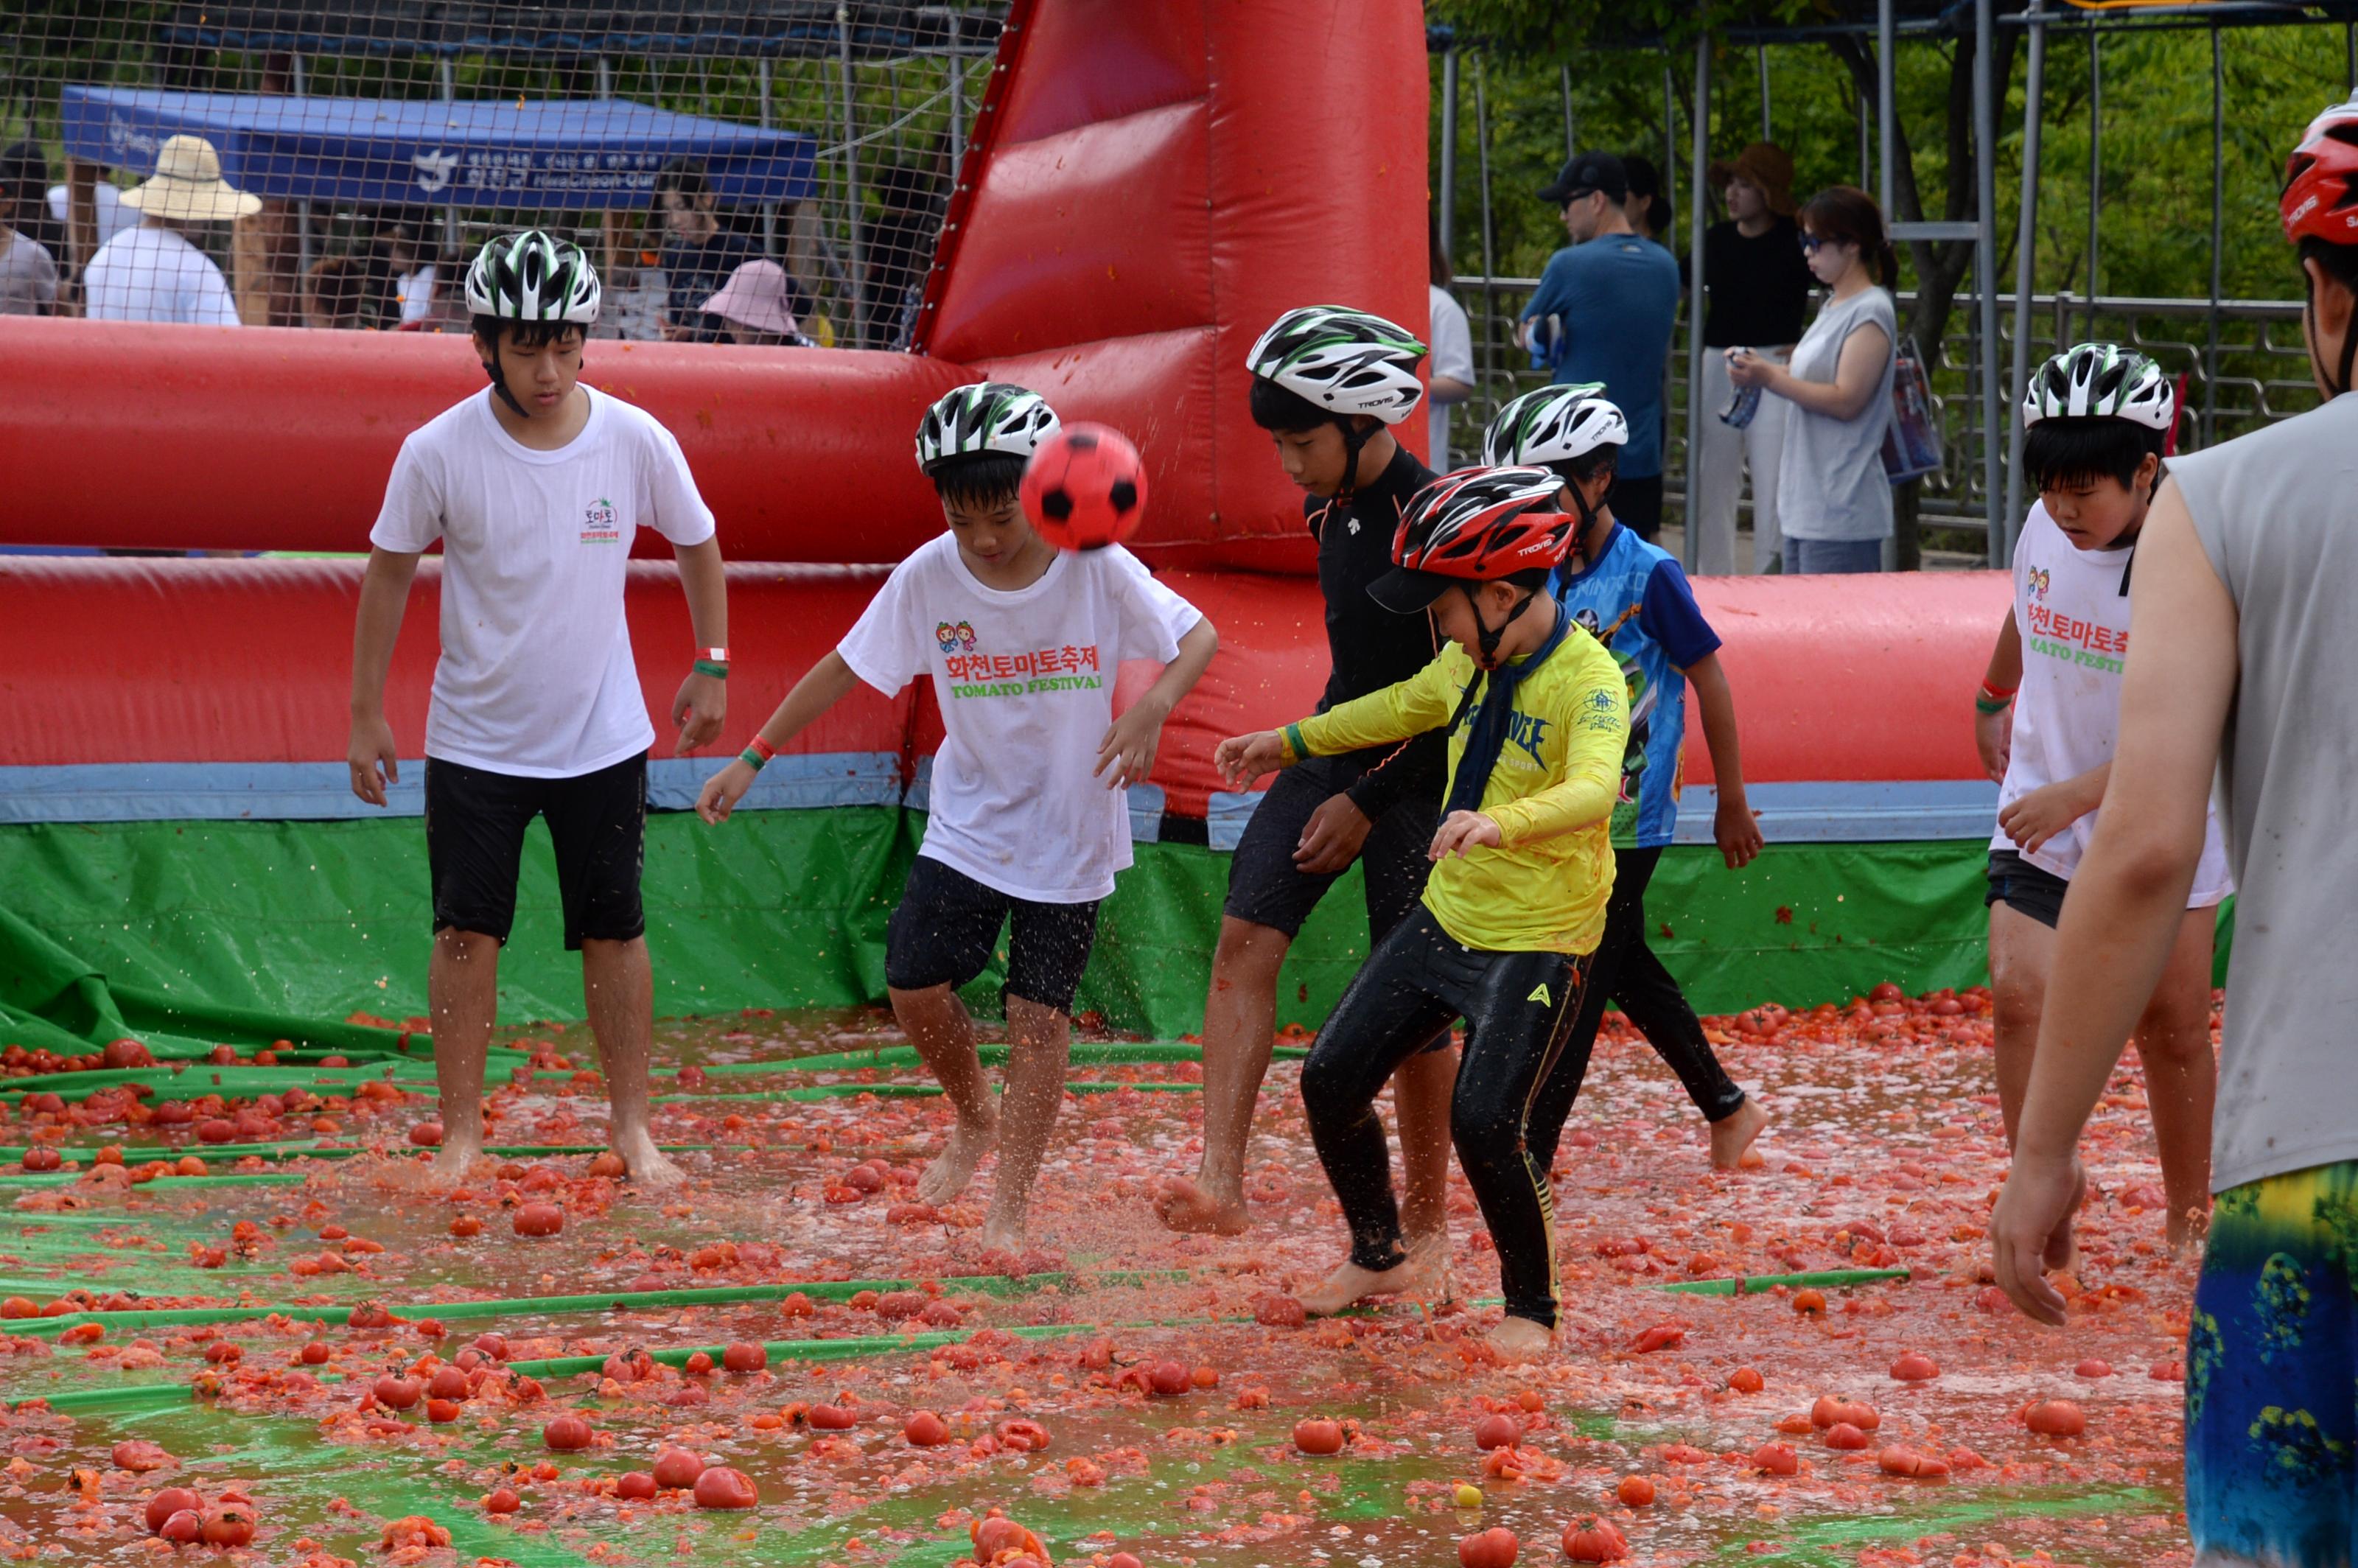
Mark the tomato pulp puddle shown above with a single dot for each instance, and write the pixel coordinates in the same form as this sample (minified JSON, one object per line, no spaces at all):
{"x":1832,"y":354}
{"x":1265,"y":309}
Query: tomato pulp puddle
{"x":299,"y":1313}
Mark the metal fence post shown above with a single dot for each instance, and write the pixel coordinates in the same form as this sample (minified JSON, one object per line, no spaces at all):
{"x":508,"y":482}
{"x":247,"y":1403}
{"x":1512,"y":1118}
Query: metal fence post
{"x":2096,"y":163}
{"x":1448,"y":217}
{"x":1564,"y":83}
{"x":851,"y":178}
{"x":957,"y":98}
{"x":1698,"y":158}
{"x":1761,"y":52}
{"x":1482,"y":149}
{"x":450,"y":208}
{"x":2218,"y":226}
{"x":302,"y":211}
{"x":1887,"y":114}
{"x":770,"y":207}
{"x":2026,"y":251}
{"x":1985,"y":272}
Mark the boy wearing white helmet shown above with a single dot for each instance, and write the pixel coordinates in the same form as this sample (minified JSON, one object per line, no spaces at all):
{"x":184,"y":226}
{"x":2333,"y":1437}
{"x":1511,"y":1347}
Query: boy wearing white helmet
{"x":1026,"y":825}
{"x":535,"y":489}
{"x":1329,"y":384}
{"x":2096,"y":419}
{"x":1631,"y":595}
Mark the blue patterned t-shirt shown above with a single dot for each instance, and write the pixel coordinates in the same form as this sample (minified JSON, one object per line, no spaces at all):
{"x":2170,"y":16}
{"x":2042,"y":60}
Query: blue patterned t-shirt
{"x":1635,"y":600}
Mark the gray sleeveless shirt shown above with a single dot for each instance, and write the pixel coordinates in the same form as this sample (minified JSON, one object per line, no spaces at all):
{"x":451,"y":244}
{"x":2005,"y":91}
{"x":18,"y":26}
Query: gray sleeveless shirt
{"x":2277,"y":511}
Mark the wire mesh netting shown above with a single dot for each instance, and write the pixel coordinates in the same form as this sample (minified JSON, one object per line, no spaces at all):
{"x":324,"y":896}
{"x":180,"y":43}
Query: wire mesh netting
{"x":747,"y":170}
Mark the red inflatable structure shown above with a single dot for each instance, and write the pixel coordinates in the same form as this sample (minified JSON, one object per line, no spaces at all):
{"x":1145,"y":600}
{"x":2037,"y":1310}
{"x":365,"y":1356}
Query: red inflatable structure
{"x":1147,"y":187}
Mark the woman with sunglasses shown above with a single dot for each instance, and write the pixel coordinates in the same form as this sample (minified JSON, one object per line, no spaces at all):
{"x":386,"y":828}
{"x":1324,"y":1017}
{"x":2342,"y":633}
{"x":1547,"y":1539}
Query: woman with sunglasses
{"x":1834,"y":503}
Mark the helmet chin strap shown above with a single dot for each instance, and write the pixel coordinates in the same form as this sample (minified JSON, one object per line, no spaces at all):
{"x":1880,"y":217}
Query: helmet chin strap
{"x":1589,"y":515}
{"x":1355,"y":441}
{"x":1490,"y":635}
{"x":500,"y":383}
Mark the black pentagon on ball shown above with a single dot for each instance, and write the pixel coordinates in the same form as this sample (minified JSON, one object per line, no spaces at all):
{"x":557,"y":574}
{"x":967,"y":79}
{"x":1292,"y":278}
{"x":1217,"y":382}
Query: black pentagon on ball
{"x":1056,"y":505}
{"x":1123,"y":496}
{"x":1080,"y":441}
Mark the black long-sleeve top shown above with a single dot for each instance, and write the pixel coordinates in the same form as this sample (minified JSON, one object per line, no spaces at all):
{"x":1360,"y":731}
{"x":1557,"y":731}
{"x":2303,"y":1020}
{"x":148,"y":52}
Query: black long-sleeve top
{"x":1370,"y":647}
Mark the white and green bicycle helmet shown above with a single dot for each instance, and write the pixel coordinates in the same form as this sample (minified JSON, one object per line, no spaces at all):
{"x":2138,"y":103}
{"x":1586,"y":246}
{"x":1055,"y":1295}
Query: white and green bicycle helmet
{"x":987,"y":418}
{"x":1554,"y":425}
{"x":534,"y":277}
{"x":1342,"y":361}
{"x":2099,"y":381}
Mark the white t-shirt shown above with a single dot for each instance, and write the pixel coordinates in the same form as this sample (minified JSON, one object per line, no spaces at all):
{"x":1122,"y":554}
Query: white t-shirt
{"x":2075,"y":622}
{"x":154,"y":275}
{"x":1025,"y":683}
{"x":536,"y":677}
{"x":415,"y":291}
{"x":114,"y":213}
{"x":1453,"y":356}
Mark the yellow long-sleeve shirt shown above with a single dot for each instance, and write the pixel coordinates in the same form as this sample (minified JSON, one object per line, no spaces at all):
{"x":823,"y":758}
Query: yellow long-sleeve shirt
{"x":1544,"y":888}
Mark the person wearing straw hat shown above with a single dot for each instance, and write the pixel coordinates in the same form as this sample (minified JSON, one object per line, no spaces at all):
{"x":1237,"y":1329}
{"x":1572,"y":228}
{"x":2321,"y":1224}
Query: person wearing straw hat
{"x":756,"y":305}
{"x":152,"y":272}
{"x":1756,"y":289}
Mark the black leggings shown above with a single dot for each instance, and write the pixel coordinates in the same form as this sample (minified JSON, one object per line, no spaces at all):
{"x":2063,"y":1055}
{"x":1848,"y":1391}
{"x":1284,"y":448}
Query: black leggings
{"x":1518,"y":1009}
{"x":1627,"y":970}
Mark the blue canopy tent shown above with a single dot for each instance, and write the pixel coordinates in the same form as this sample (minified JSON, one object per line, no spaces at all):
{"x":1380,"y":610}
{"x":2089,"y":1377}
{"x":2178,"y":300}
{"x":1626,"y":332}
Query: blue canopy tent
{"x":573,"y":154}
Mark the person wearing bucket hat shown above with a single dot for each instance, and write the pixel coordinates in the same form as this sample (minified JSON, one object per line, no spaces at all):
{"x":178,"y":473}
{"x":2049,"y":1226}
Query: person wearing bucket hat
{"x":756,"y":305}
{"x":152,"y":272}
{"x":1756,"y":291}
{"x":1616,"y":298}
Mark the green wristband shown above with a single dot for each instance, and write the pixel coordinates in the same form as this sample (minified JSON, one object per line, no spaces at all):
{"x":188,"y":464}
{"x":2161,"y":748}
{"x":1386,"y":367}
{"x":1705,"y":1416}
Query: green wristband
{"x":752,"y":759}
{"x":708,"y":667}
{"x":1294,"y":739}
{"x":1984,"y":705}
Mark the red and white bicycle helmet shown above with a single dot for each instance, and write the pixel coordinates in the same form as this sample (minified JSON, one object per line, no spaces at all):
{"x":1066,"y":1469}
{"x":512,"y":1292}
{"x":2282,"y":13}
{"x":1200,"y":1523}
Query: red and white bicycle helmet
{"x":1475,"y":525}
{"x":2320,"y":203}
{"x":2321,"y":193}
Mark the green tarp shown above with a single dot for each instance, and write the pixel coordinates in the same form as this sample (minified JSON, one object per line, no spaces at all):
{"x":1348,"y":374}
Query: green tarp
{"x":187,"y":932}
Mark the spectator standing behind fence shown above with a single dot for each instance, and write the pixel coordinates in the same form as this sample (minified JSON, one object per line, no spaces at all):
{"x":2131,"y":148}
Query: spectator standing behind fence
{"x":29,"y":274}
{"x":753,"y":305}
{"x":1757,"y":292}
{"x":151,"y":272}
{"x":1603,"y":312}
{"x":698,"y":253}
{"x":1452,"y":363}
{"x":1833,"y":503}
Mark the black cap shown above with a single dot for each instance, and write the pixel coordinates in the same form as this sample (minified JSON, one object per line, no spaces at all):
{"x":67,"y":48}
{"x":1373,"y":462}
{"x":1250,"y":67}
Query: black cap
{"x":1405,"y":592}
{"x":1588,"y":172}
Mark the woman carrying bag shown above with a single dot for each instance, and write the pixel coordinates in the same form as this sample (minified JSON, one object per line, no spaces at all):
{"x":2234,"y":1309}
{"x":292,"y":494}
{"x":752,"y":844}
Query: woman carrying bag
{"x":1833,"y":499}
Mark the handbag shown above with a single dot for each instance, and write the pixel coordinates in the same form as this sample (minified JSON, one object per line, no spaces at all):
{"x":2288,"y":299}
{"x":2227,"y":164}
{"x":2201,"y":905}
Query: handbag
{"x":1911,"y":442}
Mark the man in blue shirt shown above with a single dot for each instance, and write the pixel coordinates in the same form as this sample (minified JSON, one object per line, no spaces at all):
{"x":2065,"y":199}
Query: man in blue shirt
{"x":1614,"y":298}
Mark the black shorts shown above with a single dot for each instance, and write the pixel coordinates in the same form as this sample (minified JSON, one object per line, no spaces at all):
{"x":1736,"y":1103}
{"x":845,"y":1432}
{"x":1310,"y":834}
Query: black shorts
{"x":474,"y":840}
{"x":946,"y":926}
{"x":2020,"y":885}
{"x":1267,"y":888}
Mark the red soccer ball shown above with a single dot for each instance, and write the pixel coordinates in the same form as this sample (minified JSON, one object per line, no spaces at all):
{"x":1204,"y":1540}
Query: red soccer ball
{"x":1084,"y":488}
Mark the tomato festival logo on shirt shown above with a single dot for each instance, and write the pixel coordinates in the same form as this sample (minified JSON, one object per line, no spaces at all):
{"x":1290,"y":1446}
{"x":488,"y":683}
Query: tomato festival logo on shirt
{"x":954,"y":638}
{"x":602,"y":524}
{"x":2040,"y":577}
{"x":2082,"y":643}
{"x":1068,"y":668}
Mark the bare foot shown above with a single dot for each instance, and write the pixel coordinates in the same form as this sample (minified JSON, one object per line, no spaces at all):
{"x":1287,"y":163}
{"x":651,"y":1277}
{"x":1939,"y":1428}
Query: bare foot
{"x":1417,"y":1275}
{"x":1731,"y":1134}
{"x":646,"y":1165}
{"x":449,"y":1167}
{"x":1001,"y":1234}
{"x":1182,"y":1205}
{"x":2186,"y":1229}
{"x":1519,"y":1340}
{"x":954,"y":1167}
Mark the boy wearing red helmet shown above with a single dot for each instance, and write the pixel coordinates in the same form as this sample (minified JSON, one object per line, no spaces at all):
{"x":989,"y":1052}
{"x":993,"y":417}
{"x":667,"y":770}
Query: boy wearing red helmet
{"x":1537,"y":715}
{"x":2243,"y":610}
